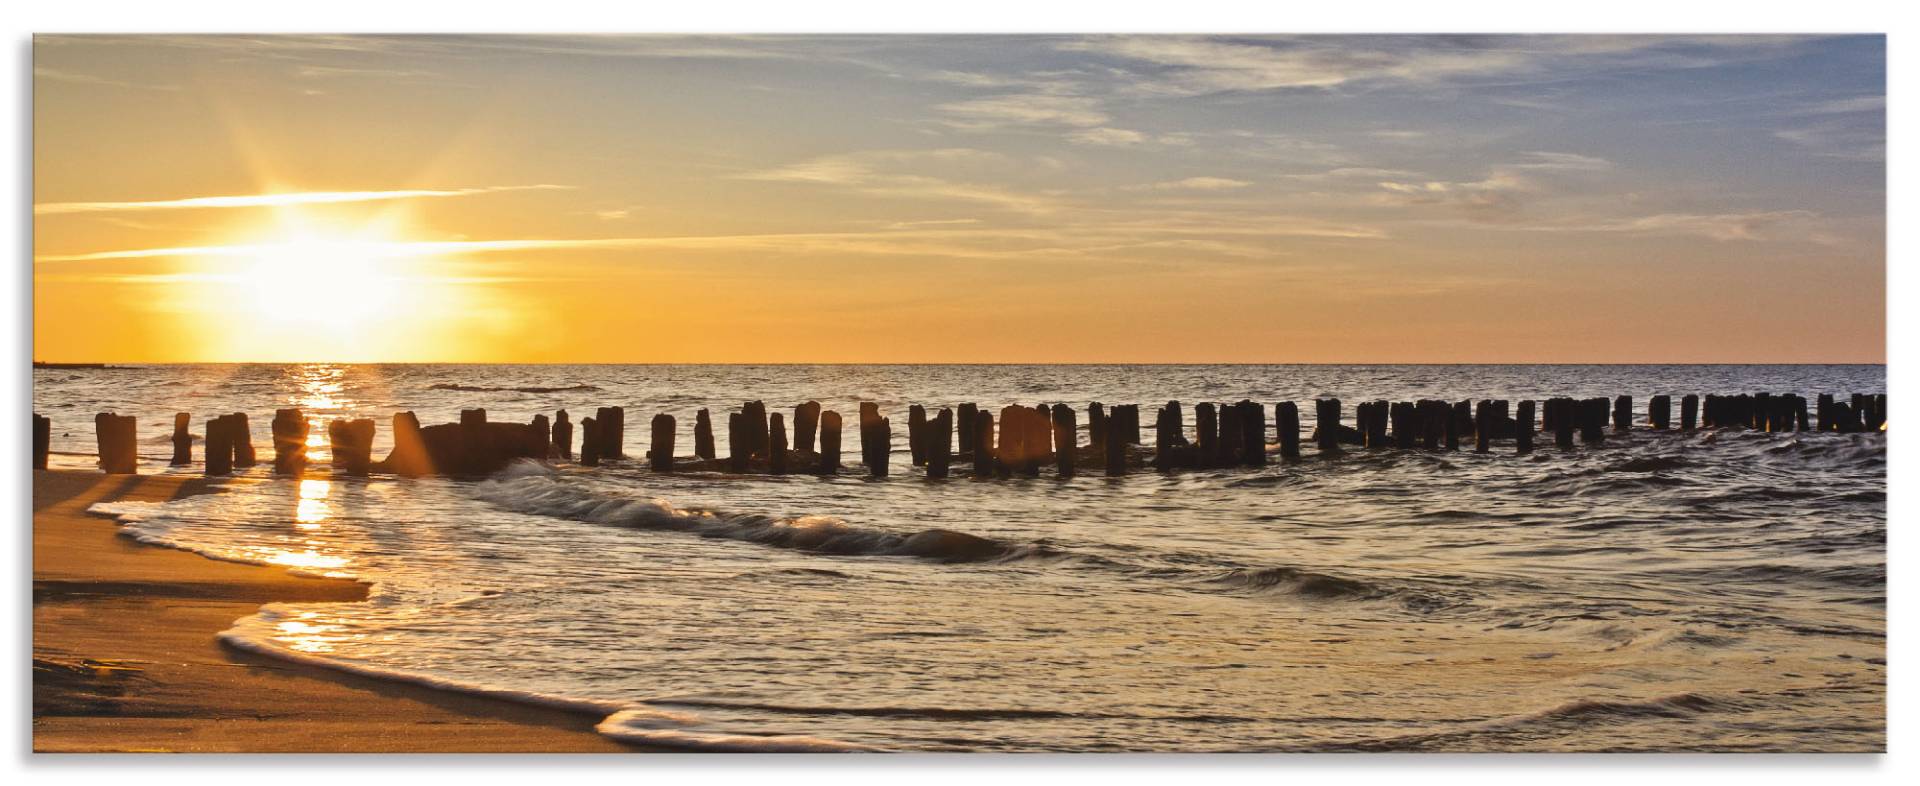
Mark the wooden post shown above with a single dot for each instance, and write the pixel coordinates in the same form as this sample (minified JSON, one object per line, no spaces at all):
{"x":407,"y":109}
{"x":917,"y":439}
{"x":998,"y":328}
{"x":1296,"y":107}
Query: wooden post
{"x":42,"y":440}
{"x":1164,"y":433}
{"x":1482,"y":426}
{"x":562,"y":440}
{"x":1011,"y":449}
{"x":1406,"y":423}
{"x":1286,"y":420}
{"x":1065,"y":439}
{"x":1689,"y":411}
{"x":776,"y":444}
{"x":1326,"y":428}
{"x":1523,"y":427}
{"x":1097,"y":428}
{"x":1562,"y":415}
{"x":1253,"y":433}
{"x":806,"y":419}
{"x":875,"y":435}
{"x":940,"y":444}
{"x":1876,"y":415}
{"x":409,"y":456}
{"x":739,"y":443}
{"x":1231,"y":434}
{"x":829,"y":443}
{"x":1622,"y":413}
{"x":916,"y":425}
{"x":660,"y":450}
{"x":1455,"y":423}
{"x":1116,"y":447}
{"x":1038,"y":439}
{"x":964,"y":427}
{"x":351,"y":443}
{"x":219,"y":446}
{"x":540,"y":437}
{"x":882,"y":448}
{"x":703,"y":435}
{"x":985,"y":465}
{"x":589,"y":442}
{"x":290,"y":441}
{"x":1659,"y":412}
{"x":754,"y":420}
{"x":1800,"y":412}
{"x":242,"y":439}
{"x":1206,"y":426}
{"x":1593,"y":425}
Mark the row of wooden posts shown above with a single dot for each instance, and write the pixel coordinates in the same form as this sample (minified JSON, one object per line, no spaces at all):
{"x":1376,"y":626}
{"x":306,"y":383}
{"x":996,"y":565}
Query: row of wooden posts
{"x":1027,"y":438}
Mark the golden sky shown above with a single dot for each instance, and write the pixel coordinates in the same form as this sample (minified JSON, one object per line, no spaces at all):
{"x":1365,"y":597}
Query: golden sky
{"x":959,"y":199}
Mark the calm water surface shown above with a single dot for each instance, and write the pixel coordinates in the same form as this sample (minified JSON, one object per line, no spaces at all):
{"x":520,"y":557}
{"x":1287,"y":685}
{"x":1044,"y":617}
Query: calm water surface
{"x":1717,"y":591}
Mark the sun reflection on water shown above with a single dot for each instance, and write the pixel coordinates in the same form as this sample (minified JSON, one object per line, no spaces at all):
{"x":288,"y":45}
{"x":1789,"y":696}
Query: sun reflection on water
{"x":307,"y":634}
{"x":313,"y":510}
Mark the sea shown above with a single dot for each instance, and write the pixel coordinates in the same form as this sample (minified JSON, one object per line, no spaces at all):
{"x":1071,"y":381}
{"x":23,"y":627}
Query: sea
{"x":1714,"y":590}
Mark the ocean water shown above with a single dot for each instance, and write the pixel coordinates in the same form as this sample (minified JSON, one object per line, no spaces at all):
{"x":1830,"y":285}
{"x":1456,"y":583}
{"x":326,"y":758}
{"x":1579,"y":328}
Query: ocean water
{"x":1662,"y":591}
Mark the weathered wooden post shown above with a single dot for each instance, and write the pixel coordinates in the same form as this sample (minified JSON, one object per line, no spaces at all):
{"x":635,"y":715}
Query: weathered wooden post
{"x":985,"y":465}
{"x":1689,"y":411}
{"x":1011,"y":449}
{"x":873,"y":450}
{"x":882,"y":448}
{"x":409,"y":457}
{"x":589,"y":442}
{"x":1039,"y":438}
{"x":1286,"y":420}
{"x":1253,"y":428}
{"x":1406,"y":423}
{"x":242,"y":439}
{"x":1231,"y":434}
{"x":115,"y":438}
{"x":963,"y":426}
{"x":1659,"y":412}
{"x":829,"y":443}
{"x":660,"y":449}
{"x":1376,"y":426}
{"x":1455,"y":423}
{"x":739,"y":443}
{"x":754,"y":420}
{"x":351,"y":443}
{"x":1563,"y":422}
{"x":1593,"y":424}
{"x":1876,"y":414}
{"x":1326,"y":428}
{"x":1482,"y":426}
{"x":1523,"y":427}
{"x":1206,"y":427}
{"x":612,"y":437}
{"x":540,"y":436}
{"x":1065,"y":439}
{"x":42,"y":440}
{"x":1097,"y":428}
{"x":703,"y":435}
{"x":219,"y":446}
{"x":562,"y":435}
{"x":940,"y":444}
{"x":916,"y":424}
{"x":182,"y":440}
{"x":777,"y":444}
{"x":1622,"y":413}
{"x":1115,"y":444}
{"x":1164,"y":434}
{"x":290,"y":429}
{"x":1799,"y":412}
{"x":806,"y":419}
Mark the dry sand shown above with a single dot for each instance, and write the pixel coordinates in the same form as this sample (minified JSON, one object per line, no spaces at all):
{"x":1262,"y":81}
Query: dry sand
{"x":125,"y":656}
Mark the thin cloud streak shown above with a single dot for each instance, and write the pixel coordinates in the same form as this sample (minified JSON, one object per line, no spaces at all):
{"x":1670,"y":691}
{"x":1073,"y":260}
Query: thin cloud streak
{"x":276,"y":200}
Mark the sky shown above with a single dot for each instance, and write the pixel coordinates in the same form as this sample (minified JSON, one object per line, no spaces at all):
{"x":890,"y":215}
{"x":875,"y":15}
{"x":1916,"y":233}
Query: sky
{"x":960,"y":199}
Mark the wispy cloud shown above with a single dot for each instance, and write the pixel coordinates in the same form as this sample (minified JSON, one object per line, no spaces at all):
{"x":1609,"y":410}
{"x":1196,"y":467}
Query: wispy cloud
{"x":1192,"y":184}
{"x":901,"y":173}
{"x":43,"y":72}
{"x":275,"y":199}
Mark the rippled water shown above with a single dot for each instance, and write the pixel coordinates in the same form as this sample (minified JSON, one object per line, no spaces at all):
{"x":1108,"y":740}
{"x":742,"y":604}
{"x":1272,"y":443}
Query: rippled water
{"x":1663,"y":591}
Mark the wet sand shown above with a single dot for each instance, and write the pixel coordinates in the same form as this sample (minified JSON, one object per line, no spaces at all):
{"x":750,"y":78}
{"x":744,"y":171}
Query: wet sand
{"x":125,"y":656}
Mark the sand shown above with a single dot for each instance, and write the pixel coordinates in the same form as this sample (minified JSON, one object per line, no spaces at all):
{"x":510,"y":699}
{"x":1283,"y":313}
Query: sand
{"x":125,"y":656}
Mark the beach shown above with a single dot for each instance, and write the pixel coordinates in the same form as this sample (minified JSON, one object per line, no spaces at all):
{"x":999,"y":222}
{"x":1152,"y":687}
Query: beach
{"x":125,"y":654}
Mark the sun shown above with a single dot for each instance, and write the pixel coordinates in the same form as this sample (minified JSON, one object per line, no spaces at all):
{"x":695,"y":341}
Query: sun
{"x":322,"y":278}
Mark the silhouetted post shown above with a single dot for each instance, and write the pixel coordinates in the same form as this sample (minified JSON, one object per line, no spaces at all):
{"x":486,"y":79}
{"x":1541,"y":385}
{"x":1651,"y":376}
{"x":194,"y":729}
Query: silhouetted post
{"x":882,"y":448}
{"x":829,"y":443}
{"x":290,"y":441}
{"x":182,"y":440}
{"x":806,"y":419}
{"x":777,"y":444}
{"x":1563,"y":421}
{"x":409,"y":456}
{"x":1164,"y":434}
{"x":540,"y":437}
{"x":242,"y":439}
{"x":1011,"y":450}
{"x":1482,"y":426}
{"x":754,"y":421}
{"x":703,"y":435}
{"x":562,"y":435}
{"x":1326,"y":429}
{"x":1116,"y":447}
{"x":940,"y":443}
{"x":1065,"y":438}
{"x":1453,"y":424}
{"x":589,"y":442}
{"x":1376,"y":429}
{"x":1406,"y":423}
{"x":1659,"y":412}
{"x":42,"y":440}
{"x":1286,"y":421}
{"x":219,"y":446}
{"x":1593,"y":421}
{"x":1231,"y":435}
{"x":660,"y":450}
{"x":351,"y":443}
{"x":1689,"y":410}
{"x":874,"y":437}
{"x":1523,"y":427}
{"x":1253,"y":429}
{"x":739,"y":450}
{"x":984,"y":463}
{"x":1622,"y":413}
{"x":1206,"y":427}
{"x":1876,"y":414}
{"x":1039,"y":439}
{"x":963,"y":426}
{"x":1097,"y":428}
{"x":916,"y":422}
{"x":1799,"y":412}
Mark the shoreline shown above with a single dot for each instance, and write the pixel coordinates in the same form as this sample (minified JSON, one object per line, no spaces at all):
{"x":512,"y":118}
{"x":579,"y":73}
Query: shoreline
{"x":127,"y":658}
